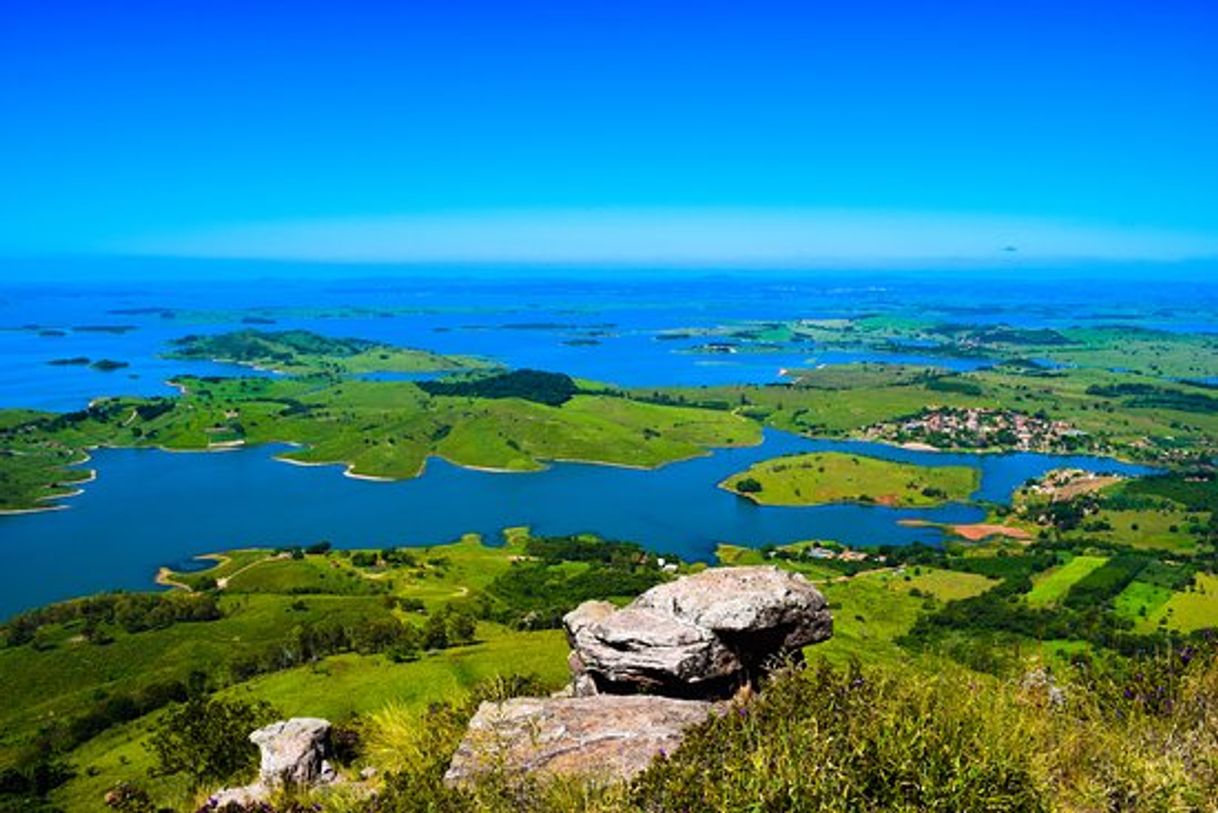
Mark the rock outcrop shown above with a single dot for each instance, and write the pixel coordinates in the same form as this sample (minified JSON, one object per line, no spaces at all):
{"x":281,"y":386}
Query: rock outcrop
{"x":643,"y":674}
{"x":293,"y":754}
{"x":649,"y":651}
{"x":700,"y":636}
{"x":608,"y":737}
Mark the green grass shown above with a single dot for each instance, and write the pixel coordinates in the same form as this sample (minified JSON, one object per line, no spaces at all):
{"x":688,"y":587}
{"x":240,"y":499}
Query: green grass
{"x":68,"y":679}
{"x":1052,"y":586}
{"x":1162,"y":528}
{"x":336,"y":688}
{"x":1192,"y":610}
{"x":869,"y":615}
{"x":827,"y":477}
{"x":343,"y":686}
{"x":862,"y":375}
{"x":1139,"y":600}
{"x":262,"y":603}
{"x":314,"y":574}
{"x":32,"y":476}
{"x":739,"y":555}
{"x":943,"y":585}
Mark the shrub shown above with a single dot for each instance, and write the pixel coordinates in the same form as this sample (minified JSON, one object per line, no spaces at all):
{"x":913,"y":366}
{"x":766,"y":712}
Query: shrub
{"x":748,"y":485}
{"x":208,"y":739}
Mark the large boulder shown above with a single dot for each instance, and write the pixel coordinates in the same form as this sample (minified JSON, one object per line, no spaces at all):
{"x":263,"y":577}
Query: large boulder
{"x":608,"y":737}
{"x":294,"y":752}
{"x":761,"y":610}
{"x":652,"y":651}
{"x":293,"y":755}
{"x":699,"y":636}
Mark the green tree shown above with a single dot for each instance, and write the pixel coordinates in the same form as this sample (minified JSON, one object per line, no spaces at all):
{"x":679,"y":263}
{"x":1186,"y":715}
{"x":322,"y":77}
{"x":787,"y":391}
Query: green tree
{"x":748,"y":485}
{"x":208,"y":739}
{"x":461,"y":628}
{"x":406,"y":648}
{"x":435,"y":632}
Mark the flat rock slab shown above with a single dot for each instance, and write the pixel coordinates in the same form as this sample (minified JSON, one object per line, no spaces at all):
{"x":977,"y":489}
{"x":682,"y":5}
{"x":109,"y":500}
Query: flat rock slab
{"x":606,"y":737}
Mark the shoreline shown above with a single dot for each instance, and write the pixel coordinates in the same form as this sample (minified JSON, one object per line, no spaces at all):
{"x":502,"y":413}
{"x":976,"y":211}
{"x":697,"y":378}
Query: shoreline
{"x":165,"y":573}
{"x":163,"y":578}
{"x":915,"y":446}
{"x":14,"y":512}
{"x":348,"y":470}
{"x":76,"y":492}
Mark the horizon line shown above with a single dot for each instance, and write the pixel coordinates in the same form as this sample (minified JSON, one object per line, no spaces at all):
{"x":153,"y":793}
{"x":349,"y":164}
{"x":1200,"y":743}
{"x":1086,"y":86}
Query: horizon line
{"x":681,"y":238}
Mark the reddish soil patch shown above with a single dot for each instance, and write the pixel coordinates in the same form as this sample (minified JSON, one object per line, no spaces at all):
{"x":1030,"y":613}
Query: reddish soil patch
{"x":980,"y":530}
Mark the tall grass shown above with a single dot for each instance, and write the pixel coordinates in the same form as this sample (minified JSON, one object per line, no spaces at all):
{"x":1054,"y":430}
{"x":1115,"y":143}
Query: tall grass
{"x":1135,"y":736}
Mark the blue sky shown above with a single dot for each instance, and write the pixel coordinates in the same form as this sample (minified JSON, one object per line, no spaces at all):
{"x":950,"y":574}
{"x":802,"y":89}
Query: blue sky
{"x":761,"y":131}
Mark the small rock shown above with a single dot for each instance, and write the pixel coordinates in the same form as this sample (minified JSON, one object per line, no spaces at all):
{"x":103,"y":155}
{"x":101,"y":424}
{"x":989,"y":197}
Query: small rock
{"x":247,"y":796}
{"x":608,"y":737}
{"x":367,"y":773}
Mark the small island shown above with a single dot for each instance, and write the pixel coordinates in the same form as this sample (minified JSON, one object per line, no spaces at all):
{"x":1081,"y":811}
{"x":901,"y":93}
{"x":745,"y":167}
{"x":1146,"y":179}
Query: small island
{"x":300,"y":352}
{"x":108,"y":365}
{"x":819,"y":478}
{"x":114,"y":330}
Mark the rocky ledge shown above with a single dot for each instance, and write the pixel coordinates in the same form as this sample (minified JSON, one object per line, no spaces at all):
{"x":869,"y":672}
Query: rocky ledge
{"x":642,"y":674}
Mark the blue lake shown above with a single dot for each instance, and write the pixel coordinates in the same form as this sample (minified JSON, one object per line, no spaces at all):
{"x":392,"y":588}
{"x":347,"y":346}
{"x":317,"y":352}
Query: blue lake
{"x":148,"y":508}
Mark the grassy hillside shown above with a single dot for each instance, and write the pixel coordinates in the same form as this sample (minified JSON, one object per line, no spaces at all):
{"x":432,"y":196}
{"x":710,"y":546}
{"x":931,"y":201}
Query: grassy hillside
{"x":378,"y":429}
